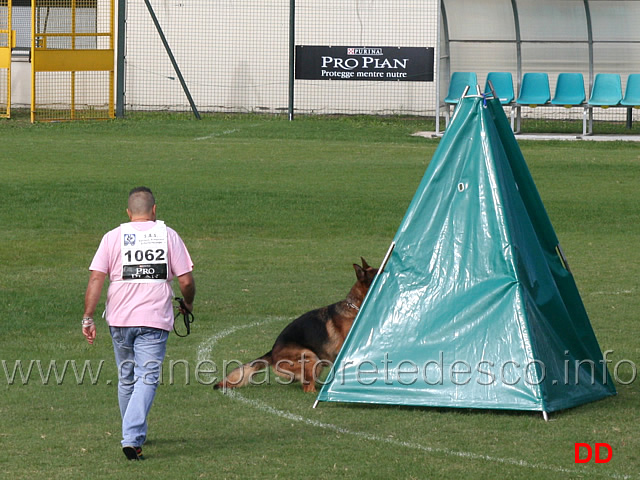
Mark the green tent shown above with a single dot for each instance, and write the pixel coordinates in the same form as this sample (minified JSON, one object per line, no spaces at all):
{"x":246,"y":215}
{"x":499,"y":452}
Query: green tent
{"x":476,"y":306}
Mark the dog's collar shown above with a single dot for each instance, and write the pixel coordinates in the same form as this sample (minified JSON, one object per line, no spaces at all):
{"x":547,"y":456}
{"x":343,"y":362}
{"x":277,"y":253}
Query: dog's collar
{"x":355,"y":307}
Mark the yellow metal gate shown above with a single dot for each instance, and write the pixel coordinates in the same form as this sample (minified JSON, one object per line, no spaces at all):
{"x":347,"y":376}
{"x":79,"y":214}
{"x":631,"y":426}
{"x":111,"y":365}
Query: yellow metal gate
{"x":7,"y":41}
{"x":72,"y":62}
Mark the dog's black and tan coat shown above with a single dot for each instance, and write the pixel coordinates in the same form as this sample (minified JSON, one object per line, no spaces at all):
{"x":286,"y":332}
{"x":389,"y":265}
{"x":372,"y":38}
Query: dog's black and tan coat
{"x":310,"y":342}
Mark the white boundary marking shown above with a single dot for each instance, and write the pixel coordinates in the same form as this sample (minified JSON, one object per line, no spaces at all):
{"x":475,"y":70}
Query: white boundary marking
{"x":217,"y":134}
{"x":224,"y":132}
{"x":620,"y":292}
{"x":555,"y":136}
{"x":204,"y":351}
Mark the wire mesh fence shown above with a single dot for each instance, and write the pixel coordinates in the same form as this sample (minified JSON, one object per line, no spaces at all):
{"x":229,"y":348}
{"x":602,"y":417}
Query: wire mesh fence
{"x":247,"y":55}
{"x":235,"y":55}
{"x":73,"y":96}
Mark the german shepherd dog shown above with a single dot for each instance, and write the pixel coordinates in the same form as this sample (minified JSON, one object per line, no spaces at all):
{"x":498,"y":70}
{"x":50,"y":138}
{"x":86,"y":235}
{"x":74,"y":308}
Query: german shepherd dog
{"x":311,"y":341}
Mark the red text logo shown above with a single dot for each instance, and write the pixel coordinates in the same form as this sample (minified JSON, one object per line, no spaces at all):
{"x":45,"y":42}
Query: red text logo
{"x":595,"y":452}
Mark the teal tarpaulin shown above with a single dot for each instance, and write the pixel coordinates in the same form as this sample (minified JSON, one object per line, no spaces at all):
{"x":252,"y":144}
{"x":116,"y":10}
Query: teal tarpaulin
{"x":476,"y":306}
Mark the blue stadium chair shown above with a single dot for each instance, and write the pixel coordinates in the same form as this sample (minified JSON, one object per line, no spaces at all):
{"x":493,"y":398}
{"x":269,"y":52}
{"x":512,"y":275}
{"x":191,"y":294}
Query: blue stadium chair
{"x":459,"y":81}
{"x":534,"y":90}
{"x":502,"y":83}
{"x":570,"y":93}
{"x":458,"y":84}
{"x":606,"y":92}
{"x":632,"y":91}
{"x":569,"y":90}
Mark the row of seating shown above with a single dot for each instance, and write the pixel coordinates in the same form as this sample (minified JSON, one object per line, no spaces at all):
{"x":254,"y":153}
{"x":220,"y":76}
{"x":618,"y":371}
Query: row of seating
{"x":535,"y":91}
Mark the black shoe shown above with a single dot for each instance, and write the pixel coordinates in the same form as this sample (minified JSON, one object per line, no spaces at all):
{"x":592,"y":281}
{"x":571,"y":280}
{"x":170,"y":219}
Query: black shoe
{"x":133,"y":453}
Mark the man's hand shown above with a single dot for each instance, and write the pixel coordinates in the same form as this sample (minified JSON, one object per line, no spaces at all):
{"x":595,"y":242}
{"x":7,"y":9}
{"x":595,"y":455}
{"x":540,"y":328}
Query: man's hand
{"x":188,"y":290}
{"x":91,"y":298}
{"x":89,"y":332}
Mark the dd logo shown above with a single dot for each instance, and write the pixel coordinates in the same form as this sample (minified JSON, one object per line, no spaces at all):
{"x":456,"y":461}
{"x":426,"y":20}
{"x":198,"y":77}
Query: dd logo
{"x":590,"y":452}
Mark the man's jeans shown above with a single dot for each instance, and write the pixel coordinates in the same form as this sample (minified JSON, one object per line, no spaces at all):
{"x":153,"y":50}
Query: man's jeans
{"x":139,"y":354}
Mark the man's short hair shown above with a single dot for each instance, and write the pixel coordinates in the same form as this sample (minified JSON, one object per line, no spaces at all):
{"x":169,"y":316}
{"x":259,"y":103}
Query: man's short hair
{"x":141,"y":200}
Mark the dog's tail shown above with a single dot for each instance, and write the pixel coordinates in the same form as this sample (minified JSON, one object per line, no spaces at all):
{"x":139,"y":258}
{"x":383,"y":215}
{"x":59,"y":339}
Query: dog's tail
{"x":241,"y":376}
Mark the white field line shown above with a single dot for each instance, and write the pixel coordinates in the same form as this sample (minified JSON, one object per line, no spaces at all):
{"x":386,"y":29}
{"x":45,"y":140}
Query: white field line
{"x":620,"y":292}
{"x":225,"y":132}
{"x":204,"y":350}
{"x":216,"y":134}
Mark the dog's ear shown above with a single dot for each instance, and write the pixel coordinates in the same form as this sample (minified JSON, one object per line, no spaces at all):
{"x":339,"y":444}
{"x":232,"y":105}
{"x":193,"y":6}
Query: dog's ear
{"x":365,"y":265}
{"x":359,"y":272}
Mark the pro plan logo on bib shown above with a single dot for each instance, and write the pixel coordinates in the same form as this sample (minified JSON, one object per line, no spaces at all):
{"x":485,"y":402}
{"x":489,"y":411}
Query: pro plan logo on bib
{"x":144,"y":253}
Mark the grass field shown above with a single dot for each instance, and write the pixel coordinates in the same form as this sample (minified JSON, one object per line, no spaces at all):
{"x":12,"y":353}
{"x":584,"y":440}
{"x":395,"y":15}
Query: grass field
{"x":274,"y":214}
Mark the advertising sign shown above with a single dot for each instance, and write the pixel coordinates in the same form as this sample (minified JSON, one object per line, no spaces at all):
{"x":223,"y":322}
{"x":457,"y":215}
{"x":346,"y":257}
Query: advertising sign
{"x":404,"y":64}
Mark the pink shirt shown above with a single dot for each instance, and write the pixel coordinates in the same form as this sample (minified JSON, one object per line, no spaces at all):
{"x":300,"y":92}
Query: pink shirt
{"x":140,"y":304}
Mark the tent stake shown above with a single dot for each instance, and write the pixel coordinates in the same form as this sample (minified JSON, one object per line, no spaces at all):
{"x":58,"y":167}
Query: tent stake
{"x":545,"y":415}
{"x":315,"y":404}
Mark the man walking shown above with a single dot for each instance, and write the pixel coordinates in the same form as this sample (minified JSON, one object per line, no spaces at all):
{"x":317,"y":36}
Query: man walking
{"x":141,"y":258}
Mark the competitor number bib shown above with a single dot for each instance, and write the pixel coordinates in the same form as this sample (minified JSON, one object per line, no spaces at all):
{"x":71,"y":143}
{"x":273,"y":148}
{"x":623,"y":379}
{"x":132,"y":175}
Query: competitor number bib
{"x":144,"y":253}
